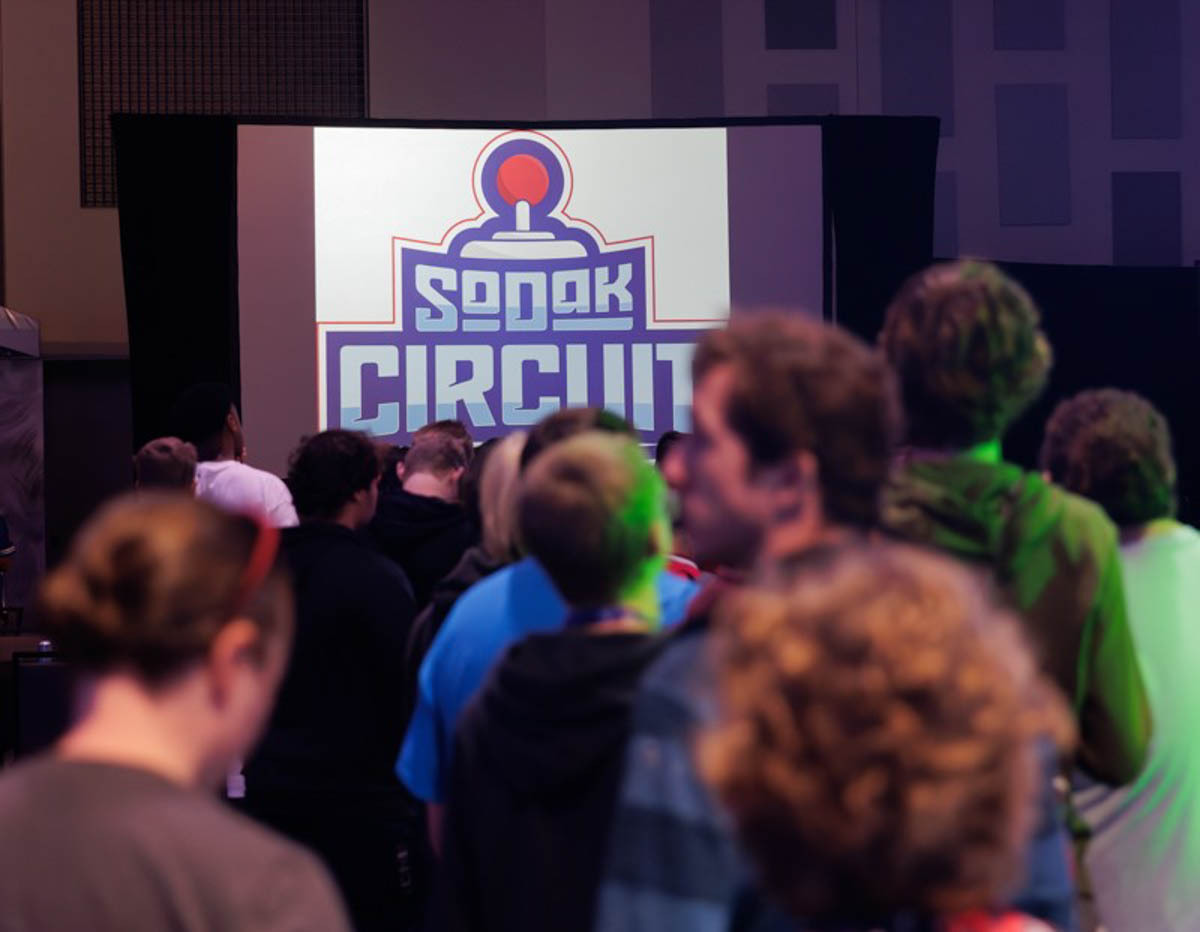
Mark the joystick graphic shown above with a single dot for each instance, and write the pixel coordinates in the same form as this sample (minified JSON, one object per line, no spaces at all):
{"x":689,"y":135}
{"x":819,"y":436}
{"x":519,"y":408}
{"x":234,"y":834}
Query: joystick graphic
{"x":523,"y":182}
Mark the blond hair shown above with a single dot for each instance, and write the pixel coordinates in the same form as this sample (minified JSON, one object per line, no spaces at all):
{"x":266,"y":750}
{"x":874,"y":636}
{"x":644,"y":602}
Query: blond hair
{"x":498,"y":498}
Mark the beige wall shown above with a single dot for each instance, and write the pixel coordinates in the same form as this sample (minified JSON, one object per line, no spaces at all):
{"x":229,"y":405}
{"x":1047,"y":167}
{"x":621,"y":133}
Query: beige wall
{"x":62,"y":263}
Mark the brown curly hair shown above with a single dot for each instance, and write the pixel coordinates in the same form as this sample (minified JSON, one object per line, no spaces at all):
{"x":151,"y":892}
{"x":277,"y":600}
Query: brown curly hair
{"x":151,"y":580}
{"x":878,"y":744}
{"x":968,"y":349}
{"x":799,"y":384}
{"x":1113,"y":447}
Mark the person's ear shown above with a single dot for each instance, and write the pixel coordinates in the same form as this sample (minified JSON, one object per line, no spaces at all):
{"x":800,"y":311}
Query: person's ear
{"x":237,"y":648}
{"x":793,"y":487}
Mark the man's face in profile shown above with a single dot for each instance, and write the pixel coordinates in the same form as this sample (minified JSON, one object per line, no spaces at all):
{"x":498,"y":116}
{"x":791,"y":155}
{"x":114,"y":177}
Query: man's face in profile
{"x":723,"y":513}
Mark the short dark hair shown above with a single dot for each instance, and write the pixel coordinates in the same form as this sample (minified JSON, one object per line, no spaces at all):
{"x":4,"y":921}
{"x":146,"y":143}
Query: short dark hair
{"x":587,"y":511}
{"x":1113,"y":447}
{"x":666,"y":443}
{"x":967,"y":346}
{"x":435,"y":453}
{"x":567,"y":422}
{"x":798,"y":385}
{"x":390,"y":456}
{"x":199,"y":417}
{"x":326,"y":471}
{"x":455,"y":430}
{"x":165,"y":463}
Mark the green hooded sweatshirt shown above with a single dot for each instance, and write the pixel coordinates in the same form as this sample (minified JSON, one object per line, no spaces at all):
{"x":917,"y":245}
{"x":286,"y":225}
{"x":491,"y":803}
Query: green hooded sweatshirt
{"x":1053,"y":557}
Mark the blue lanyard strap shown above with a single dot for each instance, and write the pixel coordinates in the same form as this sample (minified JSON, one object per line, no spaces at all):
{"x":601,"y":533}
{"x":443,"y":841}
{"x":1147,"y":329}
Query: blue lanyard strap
{"x":581,"y":618}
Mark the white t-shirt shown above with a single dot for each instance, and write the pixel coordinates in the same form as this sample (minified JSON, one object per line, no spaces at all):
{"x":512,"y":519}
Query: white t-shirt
{"x":1144,"y":855}
{"x":238,"y":487}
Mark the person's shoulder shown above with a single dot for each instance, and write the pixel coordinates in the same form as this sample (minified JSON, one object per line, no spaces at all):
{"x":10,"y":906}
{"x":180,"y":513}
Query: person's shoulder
{"x":1075,"y":518}
{"x":676,"y":688}
{"x":485,"y":596}
{"x":368,"y":566}
{"x":673,"y":586}
{"x":267,"y":480}
{"x":280,"y":884}
{"x":231,"y":473}
{"x":21,"y":786}
{"x":294,"y":891}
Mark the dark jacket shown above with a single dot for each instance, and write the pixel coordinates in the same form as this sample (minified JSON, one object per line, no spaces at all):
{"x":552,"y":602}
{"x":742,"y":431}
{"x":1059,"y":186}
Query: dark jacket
{"x":335,"y":726}
{"x":475,"y":564}
{"x":425,"y":536}
{"x":679,"y":866}
{"x":537,"y":760}
{"x":1053,"y":556}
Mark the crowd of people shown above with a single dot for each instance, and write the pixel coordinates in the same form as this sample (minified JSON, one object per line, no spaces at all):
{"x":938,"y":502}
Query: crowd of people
{"x":825,"y":663}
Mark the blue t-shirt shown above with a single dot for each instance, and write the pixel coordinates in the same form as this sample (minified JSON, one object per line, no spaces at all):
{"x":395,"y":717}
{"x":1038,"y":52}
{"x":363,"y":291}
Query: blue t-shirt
{"x":489,"y":617}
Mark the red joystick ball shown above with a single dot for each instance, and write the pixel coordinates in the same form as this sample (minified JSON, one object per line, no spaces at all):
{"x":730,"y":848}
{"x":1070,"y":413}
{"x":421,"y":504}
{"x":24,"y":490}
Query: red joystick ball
{"x":522,"y":178}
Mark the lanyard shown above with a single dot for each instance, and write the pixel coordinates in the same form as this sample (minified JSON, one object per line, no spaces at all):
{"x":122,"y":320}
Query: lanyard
{"x":584,"y":617}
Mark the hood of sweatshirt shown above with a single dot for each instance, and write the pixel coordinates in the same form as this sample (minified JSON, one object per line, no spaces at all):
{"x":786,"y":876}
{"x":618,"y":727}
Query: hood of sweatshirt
{"x":558,"y":705}
{"x":986,"y":513}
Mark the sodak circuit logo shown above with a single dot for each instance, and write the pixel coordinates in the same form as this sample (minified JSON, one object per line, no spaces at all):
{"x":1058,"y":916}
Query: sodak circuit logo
{"x":514,"y":314}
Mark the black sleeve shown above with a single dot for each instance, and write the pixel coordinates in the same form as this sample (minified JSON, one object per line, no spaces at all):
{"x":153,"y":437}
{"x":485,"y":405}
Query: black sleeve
{"x":420,"y":637}
{"x":457,"y":894}
{"x":389,"y":611}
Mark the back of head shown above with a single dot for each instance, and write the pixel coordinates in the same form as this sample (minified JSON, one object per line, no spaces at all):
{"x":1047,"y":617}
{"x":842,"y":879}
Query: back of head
{"x":878,"y":745}
{"x":567,"y":422}
{"x":498,"y":489}
{"x":666,"y":443}
{"x":592,"y":512}
{"x":968,"y":350}
{"x":165,"y":463}
{"x":437,"y":454}
{"x":326,"y":471}
{"x":455,"y":430}
{"x":200,"y":415}
{"x":1113,"y":447}
{"x":151,"y":580}
{"x":800,"y":385}
{"x":390,"y":457}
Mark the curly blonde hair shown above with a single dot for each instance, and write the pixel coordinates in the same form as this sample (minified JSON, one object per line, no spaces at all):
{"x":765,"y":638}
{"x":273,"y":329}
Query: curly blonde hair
{"x":879,"y":741}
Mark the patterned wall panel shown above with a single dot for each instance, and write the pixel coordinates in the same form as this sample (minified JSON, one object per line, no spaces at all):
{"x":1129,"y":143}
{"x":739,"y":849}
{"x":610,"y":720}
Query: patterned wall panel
{"x":259,"y":57}
{"x":918,"y":60}
{"x":686,"y":58}
{"x":1027,"y":25}
{"x":803,"y":99}
{"x":945,"y":215}
{"x":1060,"y":117}
{"x":1147,"y":69}
{"x":1033,"y":154}
{"x":811,"y":24}
{"x":1147,"y":218}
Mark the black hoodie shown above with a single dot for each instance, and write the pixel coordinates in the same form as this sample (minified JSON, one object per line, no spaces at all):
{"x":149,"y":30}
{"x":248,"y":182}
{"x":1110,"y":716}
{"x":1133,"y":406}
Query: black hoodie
{"x":335,"y":728}
{"x":426,"y":536}
{"x":537,"y":762}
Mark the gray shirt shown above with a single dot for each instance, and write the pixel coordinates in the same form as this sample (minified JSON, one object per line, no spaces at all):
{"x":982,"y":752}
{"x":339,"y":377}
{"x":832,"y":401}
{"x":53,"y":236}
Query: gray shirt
{"x":104,"y":847}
